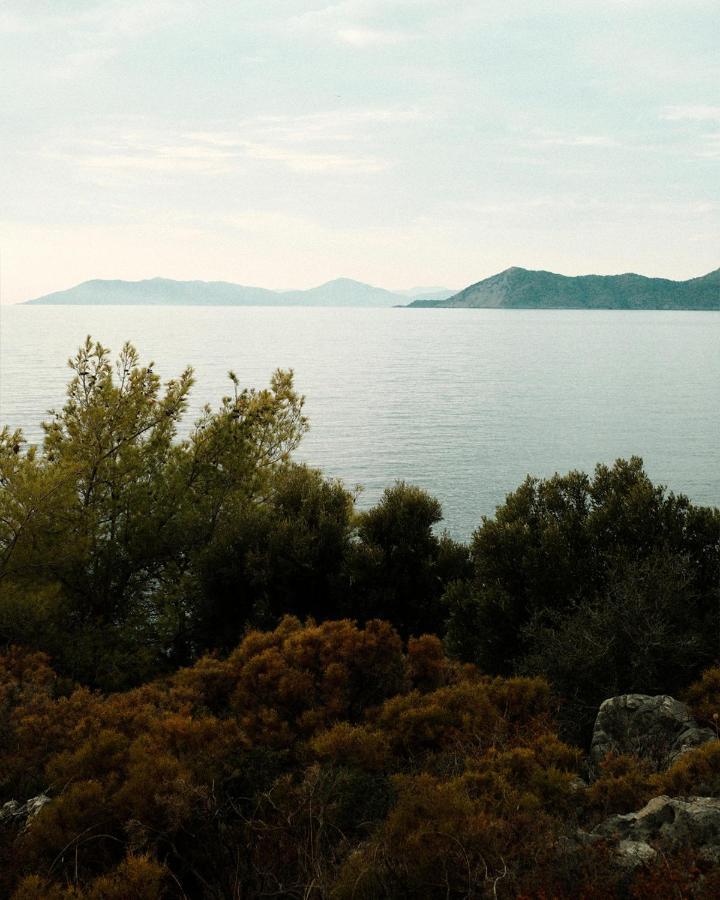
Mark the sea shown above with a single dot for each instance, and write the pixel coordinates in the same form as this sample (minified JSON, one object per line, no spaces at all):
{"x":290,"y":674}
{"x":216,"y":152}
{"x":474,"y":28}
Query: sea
{"x":462,"y":402}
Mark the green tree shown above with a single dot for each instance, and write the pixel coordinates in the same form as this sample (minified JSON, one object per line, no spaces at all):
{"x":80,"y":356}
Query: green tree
{"x":647,"y":632}
{"x":284,"y":555}
{"x":113,"y":509}
{"x":557,"y":542}
{"x":399,"y":567}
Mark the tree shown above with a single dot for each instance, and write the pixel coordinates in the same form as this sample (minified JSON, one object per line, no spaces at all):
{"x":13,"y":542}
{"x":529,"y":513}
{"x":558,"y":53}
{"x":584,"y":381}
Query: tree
{"x":399,"y":567}
{"x":644,"y":633}
{"x":114,"y":509}
{"x":284,"y":555}
{"x":557,"y":542}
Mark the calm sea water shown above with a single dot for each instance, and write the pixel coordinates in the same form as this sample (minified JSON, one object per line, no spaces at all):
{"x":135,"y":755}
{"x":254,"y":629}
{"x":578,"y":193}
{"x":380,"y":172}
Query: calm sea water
{"x":464,"y":403}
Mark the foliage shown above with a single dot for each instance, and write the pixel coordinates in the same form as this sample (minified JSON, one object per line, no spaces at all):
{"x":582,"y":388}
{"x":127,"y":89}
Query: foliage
{"x":112,"y":510}
{"x":398,"y":568}
{"x":559,"y":542}
{"x":603,"y":585}
{"x":704,"y":697}
{"x":126,"y":550}
{"x":625,"y":783}
{"x":285,"y":555}
{"x":326,"y":758}
{"x":168,"y":778}
{"x":696,"y":772}
{"x":645,"y":634}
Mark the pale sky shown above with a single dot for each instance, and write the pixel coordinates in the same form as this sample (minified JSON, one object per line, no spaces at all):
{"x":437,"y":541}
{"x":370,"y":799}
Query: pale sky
{"x":283,"y":143}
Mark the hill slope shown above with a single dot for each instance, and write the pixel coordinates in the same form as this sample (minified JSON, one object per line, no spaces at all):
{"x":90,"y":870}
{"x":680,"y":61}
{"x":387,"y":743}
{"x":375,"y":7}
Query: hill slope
{"x":517,"y":288}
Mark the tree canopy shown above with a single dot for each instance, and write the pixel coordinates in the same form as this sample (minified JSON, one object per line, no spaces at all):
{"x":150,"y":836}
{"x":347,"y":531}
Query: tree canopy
{"x":106,"y":520}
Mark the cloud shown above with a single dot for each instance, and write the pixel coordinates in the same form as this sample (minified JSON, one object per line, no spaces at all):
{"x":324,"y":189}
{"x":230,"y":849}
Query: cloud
{"x":691,"y":114}
{"x":372,"y":37}
{"x":527,"y":214}
{"x":161,"y":159}
{"x":706,"y":144}
{"x":13,"y":23}
{"x":580,"y":140}
{"x":99,"y":19}
{"x":330,"y":126}
{"x":367,"y":24}
{"x":341,"y":141}
{"x":201,"y":158}
{"x":710,"y":148}
{"x":539,"y":138}
{"x":314,"y":162}
{"x":92,"y":33}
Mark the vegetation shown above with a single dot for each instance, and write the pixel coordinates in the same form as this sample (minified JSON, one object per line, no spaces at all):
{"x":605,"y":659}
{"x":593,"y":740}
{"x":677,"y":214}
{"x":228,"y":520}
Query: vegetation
{"x":231,"y":683}
{"x":605,"y":585}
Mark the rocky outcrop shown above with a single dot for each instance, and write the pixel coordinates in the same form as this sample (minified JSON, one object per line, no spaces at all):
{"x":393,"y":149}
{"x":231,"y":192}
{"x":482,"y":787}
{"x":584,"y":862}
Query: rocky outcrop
{"x":14,"y":813}
{"x":658,"y":729}
{"x":665,"y":824}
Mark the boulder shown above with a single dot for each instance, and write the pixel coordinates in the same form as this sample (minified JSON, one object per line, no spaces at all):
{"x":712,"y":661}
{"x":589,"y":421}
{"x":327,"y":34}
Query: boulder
{"x":667,"y":824}
{"x":658,"y":729}
{"x":16,"y":813}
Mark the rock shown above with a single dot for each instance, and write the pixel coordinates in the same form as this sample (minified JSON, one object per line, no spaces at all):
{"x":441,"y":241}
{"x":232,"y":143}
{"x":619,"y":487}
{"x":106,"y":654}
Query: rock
{"x":658,"y":729}
{"x":35,"y":804}
{"x":631,"y":854}
{"x":16,"y":813}
{"x":668,"y":824}
{"x":9,"y":810}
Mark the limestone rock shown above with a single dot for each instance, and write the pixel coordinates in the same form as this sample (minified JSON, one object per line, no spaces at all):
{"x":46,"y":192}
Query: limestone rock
{"x":668,"y":824}
{"x":631,"y":854}
{"x":16,"y":813}
{"x":658,"y":729}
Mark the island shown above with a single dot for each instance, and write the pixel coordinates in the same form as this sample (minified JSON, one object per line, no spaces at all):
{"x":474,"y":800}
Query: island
{"x":517,"y":288}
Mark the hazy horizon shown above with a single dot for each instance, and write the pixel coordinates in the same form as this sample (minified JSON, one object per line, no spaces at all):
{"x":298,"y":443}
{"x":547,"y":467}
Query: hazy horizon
{"x":409,"y":293}
{"x":397,"y":143}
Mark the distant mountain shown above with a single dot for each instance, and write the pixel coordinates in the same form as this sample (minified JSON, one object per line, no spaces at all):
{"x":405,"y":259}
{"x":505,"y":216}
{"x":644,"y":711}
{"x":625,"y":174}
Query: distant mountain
{"x":158,"y":292}
{"x":341,"y":292}
{"x":166,"y":292}
{"x":517,"y":288}
{"x":514,"y":288}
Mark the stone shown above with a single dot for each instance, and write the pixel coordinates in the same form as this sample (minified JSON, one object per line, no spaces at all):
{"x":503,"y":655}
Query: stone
{"x":658,"y":729}
{"x":21,"y":813}
{"x":9,"y":810}
{"x":631,"y":854}
{"x":667,"y":824}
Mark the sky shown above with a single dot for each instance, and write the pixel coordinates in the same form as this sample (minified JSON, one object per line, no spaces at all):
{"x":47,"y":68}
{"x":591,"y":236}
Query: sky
{"x":283,"y":143}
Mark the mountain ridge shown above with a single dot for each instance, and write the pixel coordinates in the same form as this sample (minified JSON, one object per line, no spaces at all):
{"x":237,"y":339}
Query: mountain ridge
{"x":344,"y":292}
{"x":513,"y":288}
{"x":518,"y":288}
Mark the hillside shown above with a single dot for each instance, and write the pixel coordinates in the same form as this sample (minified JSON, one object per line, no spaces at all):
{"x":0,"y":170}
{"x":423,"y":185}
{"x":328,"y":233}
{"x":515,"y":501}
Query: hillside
{"x":167,"y":292}
{"x":517,"y":288}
